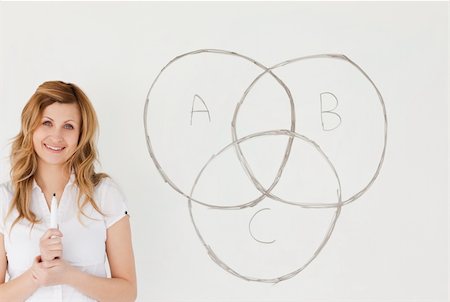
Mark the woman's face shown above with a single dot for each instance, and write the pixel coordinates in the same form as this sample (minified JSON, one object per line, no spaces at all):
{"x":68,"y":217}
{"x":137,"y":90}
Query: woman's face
{"x":56,"y":137}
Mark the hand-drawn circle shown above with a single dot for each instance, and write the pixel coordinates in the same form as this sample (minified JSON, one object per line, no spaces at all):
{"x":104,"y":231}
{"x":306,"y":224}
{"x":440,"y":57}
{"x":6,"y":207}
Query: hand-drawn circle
{"x":250,"y":228}
{"x":151,"y":149}
{"x":338,"y":207}
{"x":246,"y":165}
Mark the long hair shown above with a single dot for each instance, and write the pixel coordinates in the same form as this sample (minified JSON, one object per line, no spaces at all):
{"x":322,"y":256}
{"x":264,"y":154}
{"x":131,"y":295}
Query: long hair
{"x":24,"y":157}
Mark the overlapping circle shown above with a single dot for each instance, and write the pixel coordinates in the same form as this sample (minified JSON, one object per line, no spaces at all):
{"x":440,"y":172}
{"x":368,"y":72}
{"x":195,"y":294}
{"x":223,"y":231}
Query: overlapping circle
{"x":265,"y":191}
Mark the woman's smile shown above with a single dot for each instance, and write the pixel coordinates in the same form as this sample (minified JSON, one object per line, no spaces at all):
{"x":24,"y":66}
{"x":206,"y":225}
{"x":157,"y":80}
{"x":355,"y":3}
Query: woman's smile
{"x":54,"y":149}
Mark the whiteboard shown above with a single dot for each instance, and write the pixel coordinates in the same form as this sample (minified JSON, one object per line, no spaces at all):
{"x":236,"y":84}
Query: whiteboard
{"x":289,"y":151}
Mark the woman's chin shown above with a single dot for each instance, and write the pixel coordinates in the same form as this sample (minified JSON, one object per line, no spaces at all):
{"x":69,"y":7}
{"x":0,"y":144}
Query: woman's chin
{"x":53,"y":161}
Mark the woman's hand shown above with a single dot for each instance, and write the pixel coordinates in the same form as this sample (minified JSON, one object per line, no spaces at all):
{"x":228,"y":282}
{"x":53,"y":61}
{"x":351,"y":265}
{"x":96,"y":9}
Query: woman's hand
{"x":51,"y":245}
{"x":49,"y":268}
{"x":53,"y":272}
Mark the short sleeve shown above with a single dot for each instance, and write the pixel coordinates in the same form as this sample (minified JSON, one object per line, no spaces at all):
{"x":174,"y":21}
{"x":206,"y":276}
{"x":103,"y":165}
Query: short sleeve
{"x":3,"y":207}
{"x":2,"y":218}
{"x":113,"y":203}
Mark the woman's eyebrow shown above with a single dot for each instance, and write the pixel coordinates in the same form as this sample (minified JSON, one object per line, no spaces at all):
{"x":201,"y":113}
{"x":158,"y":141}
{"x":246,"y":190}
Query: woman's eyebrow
{"x":64,"y":122}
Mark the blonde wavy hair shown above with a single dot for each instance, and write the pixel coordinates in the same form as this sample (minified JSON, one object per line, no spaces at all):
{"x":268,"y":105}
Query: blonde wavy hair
{"x":24,"y":157}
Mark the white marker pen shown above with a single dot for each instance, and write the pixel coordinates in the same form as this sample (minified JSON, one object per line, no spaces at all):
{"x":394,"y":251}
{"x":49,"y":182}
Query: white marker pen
{"x":54,"y":213}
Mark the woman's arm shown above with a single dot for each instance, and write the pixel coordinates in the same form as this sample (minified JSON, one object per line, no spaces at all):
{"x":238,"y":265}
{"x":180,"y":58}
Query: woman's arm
{"x":122,"y":284}
{"x":17,"y":289}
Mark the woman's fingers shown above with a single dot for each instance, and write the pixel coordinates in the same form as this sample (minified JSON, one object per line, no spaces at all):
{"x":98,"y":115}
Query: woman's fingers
{"x":50,"y":245}
{"x":51,"y":263}
{"x":55,"y":247}
{"x":51,"y":255}
{"x":50,"y":233}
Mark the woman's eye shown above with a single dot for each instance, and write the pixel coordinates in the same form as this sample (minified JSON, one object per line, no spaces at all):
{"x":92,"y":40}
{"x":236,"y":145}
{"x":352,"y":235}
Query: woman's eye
{"x":68,"y":126}
{"x":47,"y":123}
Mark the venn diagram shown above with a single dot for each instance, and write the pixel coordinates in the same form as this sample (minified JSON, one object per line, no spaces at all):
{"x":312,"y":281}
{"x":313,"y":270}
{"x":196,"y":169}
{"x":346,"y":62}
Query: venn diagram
{"x":267,"y":156}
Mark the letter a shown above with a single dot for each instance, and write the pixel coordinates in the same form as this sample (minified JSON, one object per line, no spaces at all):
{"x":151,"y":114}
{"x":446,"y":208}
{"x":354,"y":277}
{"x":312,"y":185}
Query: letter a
{"x":328,"y":97}
{"x":203,"y":104}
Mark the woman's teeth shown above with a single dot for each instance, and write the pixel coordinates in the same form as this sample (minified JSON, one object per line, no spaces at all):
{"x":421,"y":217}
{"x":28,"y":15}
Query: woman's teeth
{"x":54,"y":148}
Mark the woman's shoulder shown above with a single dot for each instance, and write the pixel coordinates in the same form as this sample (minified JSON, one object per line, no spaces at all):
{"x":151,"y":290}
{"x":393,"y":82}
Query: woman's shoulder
{"x":108,"y":187}
{"x":111,"y":199}
{"x":6,"y":193}
{"x":6,"y":189}
{"x":106,"y":183}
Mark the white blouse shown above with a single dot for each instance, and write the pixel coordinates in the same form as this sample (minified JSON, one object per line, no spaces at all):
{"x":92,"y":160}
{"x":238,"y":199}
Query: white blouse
{"x":83,"y":243}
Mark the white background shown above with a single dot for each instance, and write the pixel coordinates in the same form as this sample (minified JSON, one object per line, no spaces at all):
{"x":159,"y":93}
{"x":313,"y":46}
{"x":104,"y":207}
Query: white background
{"x":391,"y":245}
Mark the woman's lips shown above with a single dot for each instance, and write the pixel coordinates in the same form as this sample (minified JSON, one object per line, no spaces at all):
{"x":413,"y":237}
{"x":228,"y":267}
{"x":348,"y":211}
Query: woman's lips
{"x":54,"y":149}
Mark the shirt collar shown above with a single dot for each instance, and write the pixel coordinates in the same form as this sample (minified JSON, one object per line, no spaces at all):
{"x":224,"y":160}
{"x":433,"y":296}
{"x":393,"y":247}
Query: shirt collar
{"x":35,"y":185}
{"x":70,"y":182}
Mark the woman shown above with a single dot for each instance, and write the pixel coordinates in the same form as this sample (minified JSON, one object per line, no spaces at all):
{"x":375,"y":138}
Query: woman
{"x":54,"y":153}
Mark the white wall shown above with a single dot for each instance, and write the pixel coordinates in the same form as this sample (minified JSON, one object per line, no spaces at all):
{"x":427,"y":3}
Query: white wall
{"x":389,"y":245}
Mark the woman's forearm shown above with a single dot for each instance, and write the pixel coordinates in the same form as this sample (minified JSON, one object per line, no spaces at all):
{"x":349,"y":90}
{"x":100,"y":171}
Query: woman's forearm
{"x":102,"y":289}
{"x":18,"y":289}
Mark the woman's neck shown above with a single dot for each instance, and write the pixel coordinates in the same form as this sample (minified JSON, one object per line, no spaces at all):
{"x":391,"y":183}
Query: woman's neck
{"x":52,"y":179}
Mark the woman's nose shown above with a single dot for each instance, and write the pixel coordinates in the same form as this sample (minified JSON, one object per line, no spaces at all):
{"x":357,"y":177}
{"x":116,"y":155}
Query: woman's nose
{"x":57,"y":134}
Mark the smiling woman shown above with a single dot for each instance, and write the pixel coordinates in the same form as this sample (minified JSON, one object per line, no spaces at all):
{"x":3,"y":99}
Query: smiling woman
{"x":54,"y":155}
